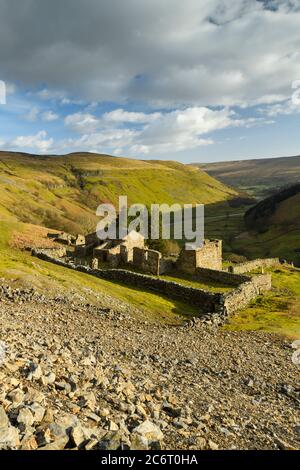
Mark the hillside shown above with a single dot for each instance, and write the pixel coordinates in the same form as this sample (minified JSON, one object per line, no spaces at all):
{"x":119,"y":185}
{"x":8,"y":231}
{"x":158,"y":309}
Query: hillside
{"x":94,"y":364}
{"x":63,"y":192}
{"x":274,"y":226}
{"x":280,"y":209}
{"x":97,"y":378}
{"x":257,"y":177}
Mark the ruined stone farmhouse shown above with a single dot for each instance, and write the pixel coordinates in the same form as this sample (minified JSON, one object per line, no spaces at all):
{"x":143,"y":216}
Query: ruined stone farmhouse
{"x":130,"y":261}
{"x":132,"y":250}
{"x":208,"y":256}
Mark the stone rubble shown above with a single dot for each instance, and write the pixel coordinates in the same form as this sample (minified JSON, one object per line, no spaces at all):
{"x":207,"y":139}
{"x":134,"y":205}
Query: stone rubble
{"x":79,"y":376}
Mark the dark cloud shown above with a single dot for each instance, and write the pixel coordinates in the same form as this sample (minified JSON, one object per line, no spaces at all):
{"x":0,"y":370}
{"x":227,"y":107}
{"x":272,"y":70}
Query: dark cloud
{"x":164,"y":53}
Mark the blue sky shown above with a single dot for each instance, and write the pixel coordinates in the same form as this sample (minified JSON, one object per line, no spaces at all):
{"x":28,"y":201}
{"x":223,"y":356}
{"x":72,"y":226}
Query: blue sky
{"x":193,"y":81}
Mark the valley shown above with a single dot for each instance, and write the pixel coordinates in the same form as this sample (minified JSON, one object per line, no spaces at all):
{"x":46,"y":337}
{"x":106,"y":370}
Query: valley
{"x":100,"y":364}
{"x":258,"y":177}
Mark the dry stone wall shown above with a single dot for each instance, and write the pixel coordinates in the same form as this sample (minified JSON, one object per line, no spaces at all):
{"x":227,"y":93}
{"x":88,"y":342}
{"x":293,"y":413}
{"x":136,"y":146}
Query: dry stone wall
{"x":208,"y":256}
{"x":59,"y":252}
{"x":208,"y":302}
{"x":254,"y":264}
{"x":225,"y":277}
{"x":147,"y":260}
{"x":246,"y":292}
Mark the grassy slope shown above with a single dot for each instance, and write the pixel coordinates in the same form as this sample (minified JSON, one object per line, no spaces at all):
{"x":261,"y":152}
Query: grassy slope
{"x":19,"y":268}
{"x":256,"y":176}
{"x":281,"y":236}
{"x":64,"y":192}
{"x":278,"y":311}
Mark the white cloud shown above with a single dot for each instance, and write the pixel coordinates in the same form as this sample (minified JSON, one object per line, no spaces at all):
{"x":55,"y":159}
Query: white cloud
{"x":286,"y":108}
{"x":172,"y":53}
{"x":119,"y":115}
{"x":99,"y":141}
{"x":32,"y":114}
{"x":87,"y":123}
{"x":38,"y":142}
{"x":156,"y":133}
{"x":82,"y":122}
{"x":35,"y":114}
{"x":183,"y":130}
{"x":58,"y":96}
{"x":49,"y":116}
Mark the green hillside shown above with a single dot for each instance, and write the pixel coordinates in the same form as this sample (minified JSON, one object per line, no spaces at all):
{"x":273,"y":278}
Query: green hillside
{"x":273,"y":227}
{"x":256,"y":177}
{"x":21,"y":270}
{"x":63,"y":192}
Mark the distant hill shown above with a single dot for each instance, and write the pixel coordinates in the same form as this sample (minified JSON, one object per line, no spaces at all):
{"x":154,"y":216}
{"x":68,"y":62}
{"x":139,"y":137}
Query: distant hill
{"x":63,"y":192}
{"x":257,"y":177}
{"x":274,"y":226}
{"x":280,"y":209}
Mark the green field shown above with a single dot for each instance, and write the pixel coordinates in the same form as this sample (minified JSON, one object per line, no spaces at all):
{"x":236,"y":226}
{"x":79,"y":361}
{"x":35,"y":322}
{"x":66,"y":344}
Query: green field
{"x":274,"y":233}
{"x":20,"y":269}
{"x":277,"y":311}
{"x":64,"y":192}
{"x":190,"y":281}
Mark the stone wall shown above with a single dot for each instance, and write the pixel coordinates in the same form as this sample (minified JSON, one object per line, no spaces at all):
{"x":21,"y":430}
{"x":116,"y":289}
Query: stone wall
{"x":224,"y":277}
{"x":205,"y":301}
{"x":92,"y":239}
{"x":252,"y":265}
{"x":208,"y":256}
{"x":167,"y":266}
{"x":246,"y":292}
{"x":146,"y":260}
{"x":82,"y":251}
{"x":208,"y":302}
{"x":79,"y":240}
{"x":110,"y":255}
{"x":59,"y":252}
{"x":131,"y":241}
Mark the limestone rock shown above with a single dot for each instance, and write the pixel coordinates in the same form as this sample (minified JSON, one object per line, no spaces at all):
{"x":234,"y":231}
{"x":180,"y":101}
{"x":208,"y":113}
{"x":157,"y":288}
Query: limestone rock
{"x":150,"y":431}
{"x":25,"y":417}
{"x":59,"y":444}
{"x":139,"y":442}
{"x":16,"y":397}
{"x":77,"y":436}
{"x":9,"y":436}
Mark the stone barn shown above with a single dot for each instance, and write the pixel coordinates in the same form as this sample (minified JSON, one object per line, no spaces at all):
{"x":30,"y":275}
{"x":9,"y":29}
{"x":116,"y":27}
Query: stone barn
{"x":115,"y":252}
{"x":208,"y":256}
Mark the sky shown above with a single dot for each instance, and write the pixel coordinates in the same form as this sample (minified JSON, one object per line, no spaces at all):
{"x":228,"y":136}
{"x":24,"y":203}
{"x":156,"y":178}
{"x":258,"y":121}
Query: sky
{"x":193,"y":80}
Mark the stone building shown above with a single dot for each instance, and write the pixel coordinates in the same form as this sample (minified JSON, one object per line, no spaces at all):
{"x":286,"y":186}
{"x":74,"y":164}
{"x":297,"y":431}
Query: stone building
{"x":147,"y":260}
{"x":67,"y":239}
{"x":208,"y":256}
{"x":115,"y":252}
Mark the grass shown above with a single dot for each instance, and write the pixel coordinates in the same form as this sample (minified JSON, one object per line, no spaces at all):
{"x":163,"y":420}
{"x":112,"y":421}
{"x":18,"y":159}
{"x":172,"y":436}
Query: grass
{"x":256,"y":177}
{"x":19,"y":268}
{"x":193,"y":282}
{"x":277,"y":311}
{"x":64,"y":192}
{"x":224,"y":223}
{"x":280,"y":237}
